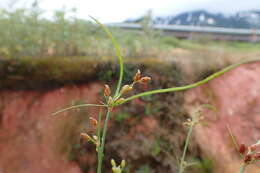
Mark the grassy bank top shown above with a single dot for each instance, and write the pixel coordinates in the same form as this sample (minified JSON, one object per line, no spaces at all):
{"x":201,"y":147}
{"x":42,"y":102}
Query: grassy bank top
{"x":42,"y":73}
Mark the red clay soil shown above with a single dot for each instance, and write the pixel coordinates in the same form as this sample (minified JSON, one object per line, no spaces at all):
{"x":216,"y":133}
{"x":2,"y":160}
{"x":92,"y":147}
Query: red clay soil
{"x":32,"y":140}
{"x":236,"y":97}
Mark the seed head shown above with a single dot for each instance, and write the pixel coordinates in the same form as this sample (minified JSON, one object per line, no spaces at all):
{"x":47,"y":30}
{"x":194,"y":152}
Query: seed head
{"x":252,"y":147}
{"x":93,"y":121}
{"x":116,"y":170}
{"x":119,"y":101}
{"x":247,"y":158}
{"x":123,"y":164}
{"x":113,"y":163}
{"x":137,"y":76}
{"x":242,"y":148}
{"x":125,"y":89}
{"x":145,"y":79}
{"x":85,"y":136}
{"x":107,"y":91}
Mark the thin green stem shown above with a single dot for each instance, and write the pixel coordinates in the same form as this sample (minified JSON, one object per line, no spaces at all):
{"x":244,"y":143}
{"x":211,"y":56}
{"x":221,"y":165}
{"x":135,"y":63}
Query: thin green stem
{"x":78,"y":106}
{"x":118,"y":54}
{"x":182,"y":88}
{"x":101,"y":148}
{"x":99,"y":127}
{"x":99,"y":139}
{"x":242,"y":168}
{"x":185,"y":148}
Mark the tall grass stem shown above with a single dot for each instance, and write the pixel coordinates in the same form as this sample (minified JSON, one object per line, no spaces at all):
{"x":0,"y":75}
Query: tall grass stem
{"x":243,"y":168}
{"x":102,"y":145}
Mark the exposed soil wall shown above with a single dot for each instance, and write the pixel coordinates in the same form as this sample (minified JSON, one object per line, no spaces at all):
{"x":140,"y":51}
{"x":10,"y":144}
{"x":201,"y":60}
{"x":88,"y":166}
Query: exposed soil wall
{"x":146,"y":132}
{"x":236,"y":97}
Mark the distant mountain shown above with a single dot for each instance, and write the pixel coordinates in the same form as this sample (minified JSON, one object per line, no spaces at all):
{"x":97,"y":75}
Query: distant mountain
{"x":245,"y":19}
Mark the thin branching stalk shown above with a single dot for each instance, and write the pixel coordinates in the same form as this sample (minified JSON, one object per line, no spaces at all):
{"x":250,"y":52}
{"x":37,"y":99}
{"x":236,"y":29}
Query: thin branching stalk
{"x":99,"y":140}
{"x":118,"y":53}
{"x":99,"y":126}
{"x":182,"y":166}
{"x":103,"y":139}
{"x":78,"y":106}
{"x":242,"y":168}
{"x":186,"y":87}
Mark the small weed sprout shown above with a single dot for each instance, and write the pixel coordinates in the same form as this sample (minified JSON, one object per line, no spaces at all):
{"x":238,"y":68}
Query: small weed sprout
{"x":195,"y":119}
{"x":116,"y":99}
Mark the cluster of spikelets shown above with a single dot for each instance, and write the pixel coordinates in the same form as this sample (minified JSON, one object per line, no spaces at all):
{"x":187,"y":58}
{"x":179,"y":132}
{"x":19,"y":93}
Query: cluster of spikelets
{"x":196,"y":118}
{"x":111,"y":102}
{"x":94,"y":139}
{"x":125,"y":89}
{"x":250,"y":153}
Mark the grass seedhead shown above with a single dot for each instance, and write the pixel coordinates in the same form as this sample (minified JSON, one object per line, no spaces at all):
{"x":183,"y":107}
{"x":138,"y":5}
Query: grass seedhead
{"x":107,"y":91}
{"x":137,"y":76}
{"x":119,"y":168}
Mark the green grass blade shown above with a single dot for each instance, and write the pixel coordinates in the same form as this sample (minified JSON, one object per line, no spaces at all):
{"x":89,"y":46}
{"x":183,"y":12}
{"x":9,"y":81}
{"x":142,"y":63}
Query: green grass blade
{"x":102,"y":145}
{"x":78,"y":106}
{"x":99,"y":123}
{"x":118,"y":53}
{"x":182,"y":88}
{"x":99,"y":137}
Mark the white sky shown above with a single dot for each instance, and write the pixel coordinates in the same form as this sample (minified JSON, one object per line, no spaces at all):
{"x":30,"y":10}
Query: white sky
{"x":119,"y":10}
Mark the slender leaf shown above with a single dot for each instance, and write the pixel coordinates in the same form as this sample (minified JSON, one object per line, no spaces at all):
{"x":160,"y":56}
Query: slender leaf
{"x":118,"y":53}
{"x":186,"y":87}
{"x":78,"y":106}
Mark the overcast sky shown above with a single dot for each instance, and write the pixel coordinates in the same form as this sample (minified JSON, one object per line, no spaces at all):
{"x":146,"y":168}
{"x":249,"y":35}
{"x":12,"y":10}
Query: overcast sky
{"x":119,"y":10}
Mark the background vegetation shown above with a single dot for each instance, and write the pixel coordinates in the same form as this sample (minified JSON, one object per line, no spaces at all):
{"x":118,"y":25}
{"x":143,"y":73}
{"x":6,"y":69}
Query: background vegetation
{"x":26,"y":32}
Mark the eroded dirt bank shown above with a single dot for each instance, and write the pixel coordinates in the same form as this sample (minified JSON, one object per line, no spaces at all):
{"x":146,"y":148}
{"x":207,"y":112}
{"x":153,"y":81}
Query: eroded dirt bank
{"x":31,"y":138}
{"x":236,"y":97}
{"x":147,"y":132}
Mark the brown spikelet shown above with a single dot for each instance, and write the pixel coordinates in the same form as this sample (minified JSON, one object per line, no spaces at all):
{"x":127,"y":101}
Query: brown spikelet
{"x":137,"y":76}
{"x":85,"y":136}
{"x":93,"y":121}
{"x":119,"y":101}
{"x":145,"y":79}
{"x":107,"y":91}
{"x":125,"y":89}
{"x":253,"y":147}
{"x":242,"y":148}
{"x":247,"y":158}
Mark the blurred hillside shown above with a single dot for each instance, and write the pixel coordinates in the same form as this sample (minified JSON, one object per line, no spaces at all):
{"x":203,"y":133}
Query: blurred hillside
{"x":26,"y":33}
{"x":243,"y":19}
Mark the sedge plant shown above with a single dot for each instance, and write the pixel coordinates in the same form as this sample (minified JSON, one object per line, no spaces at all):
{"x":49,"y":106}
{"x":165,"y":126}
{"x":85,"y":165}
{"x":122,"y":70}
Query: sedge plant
{"x":115,"y":99}
{"x":195,"y":119}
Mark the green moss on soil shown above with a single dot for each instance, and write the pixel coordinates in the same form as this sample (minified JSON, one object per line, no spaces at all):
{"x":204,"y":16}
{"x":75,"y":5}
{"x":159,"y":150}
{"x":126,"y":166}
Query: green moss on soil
{"x":43,"y":73}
